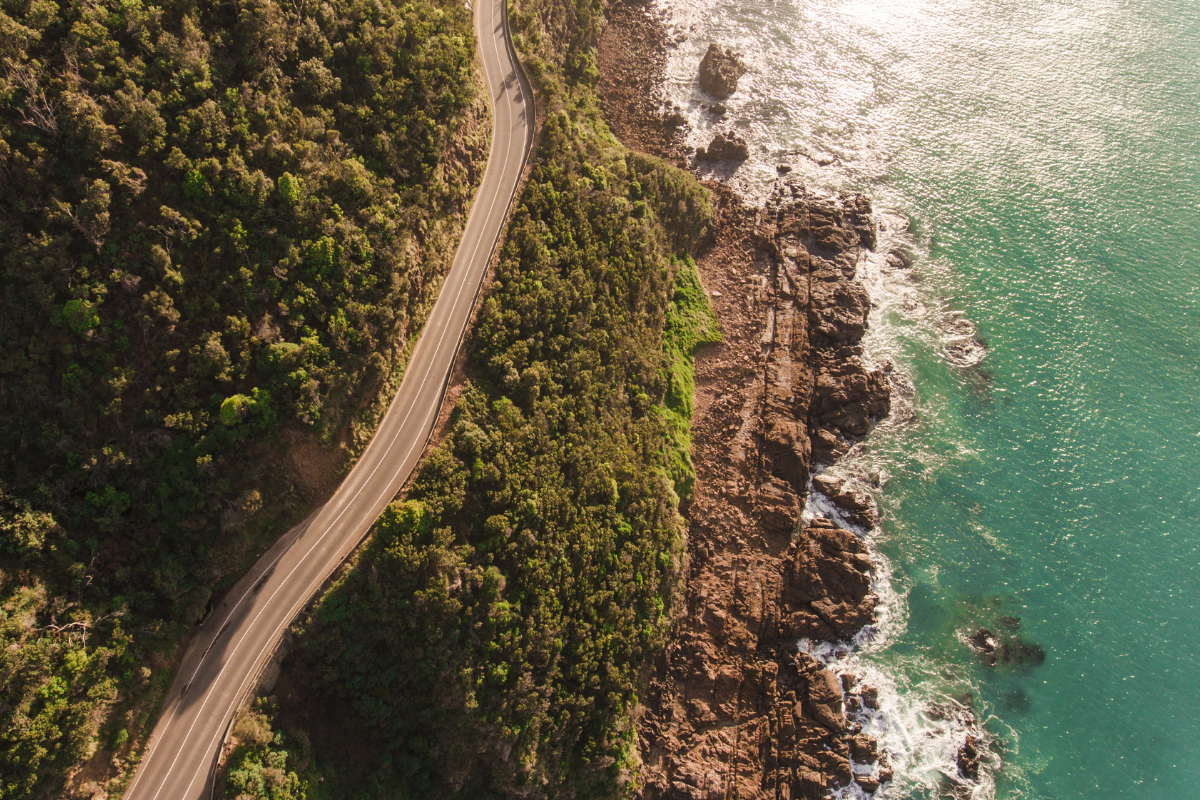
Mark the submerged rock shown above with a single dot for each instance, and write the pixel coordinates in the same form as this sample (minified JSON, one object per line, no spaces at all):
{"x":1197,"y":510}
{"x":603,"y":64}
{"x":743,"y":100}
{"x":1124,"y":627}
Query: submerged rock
{"x":719,"y":71}
{"x":995,"y":649}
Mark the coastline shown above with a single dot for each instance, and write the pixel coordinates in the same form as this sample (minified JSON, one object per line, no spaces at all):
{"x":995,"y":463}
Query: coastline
{"x":735,"y":708}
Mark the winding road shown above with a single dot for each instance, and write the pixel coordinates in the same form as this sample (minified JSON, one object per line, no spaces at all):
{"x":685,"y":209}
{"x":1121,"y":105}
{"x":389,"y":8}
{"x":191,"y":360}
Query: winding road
{"x":224,"y":661}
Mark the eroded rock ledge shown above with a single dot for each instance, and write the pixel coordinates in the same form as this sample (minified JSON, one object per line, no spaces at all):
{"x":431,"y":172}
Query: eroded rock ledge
{"x":734,"y":708}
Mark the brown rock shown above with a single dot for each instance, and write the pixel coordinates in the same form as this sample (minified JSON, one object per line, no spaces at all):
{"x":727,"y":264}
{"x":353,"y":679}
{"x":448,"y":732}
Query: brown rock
{"x":724,"y":147}
{"x":864,"y":749}
{"x":785,"y":449}
{"x":900,"y":258}
{"x":838,"y":314}
{"x":861,"y":219}
{"x":824,"y":701}
{"x":827,"y":445}
{"x":847,"y":396}
{"x":829,"y":577}
{"x":829,"y":230}
{"x":856,"y":506}
{"x":968,"y":759}
{"x":778,"y":507}
{"x":719,"y":71}
{"x":868,"y":783}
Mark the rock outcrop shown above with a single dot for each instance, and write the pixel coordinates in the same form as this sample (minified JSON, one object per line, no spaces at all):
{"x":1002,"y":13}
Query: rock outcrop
{"x":736,"y":710}
{"x":720,"y":70}
{"x":724,"y":147}
{"x":855,"y":506}
{"x":815,"y":247}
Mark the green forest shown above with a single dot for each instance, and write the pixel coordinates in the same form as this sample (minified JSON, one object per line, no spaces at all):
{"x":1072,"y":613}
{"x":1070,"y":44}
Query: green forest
{"x":221,"y":224}
{"x":490,"y":638}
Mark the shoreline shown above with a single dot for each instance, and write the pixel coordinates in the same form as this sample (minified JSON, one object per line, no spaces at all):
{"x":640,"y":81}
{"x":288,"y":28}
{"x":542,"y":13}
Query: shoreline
{"x":735,"y":708}
{"x":874,"y":250}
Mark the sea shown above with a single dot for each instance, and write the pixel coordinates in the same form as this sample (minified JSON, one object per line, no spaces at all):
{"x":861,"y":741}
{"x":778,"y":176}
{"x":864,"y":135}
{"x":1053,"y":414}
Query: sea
{"x":1037,"y":163}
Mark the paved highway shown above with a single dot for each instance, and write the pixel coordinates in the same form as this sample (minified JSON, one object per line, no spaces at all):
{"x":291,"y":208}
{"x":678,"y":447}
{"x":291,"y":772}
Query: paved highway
{"x":229,"y":652}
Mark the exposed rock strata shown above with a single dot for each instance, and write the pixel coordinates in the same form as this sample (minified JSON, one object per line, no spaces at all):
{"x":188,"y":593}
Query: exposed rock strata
{"x":720,"y":70}
{"x":735,"y":710}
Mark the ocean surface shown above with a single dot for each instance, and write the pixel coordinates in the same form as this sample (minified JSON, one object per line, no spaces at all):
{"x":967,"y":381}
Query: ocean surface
{"x":1041,"y":475}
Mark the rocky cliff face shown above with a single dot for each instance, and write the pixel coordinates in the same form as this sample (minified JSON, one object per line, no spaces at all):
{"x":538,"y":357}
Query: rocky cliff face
{"x":735,"y":709}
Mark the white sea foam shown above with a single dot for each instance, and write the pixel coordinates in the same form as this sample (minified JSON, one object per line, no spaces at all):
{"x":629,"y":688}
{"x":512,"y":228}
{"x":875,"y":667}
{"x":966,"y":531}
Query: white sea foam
{"x":918,"y":724}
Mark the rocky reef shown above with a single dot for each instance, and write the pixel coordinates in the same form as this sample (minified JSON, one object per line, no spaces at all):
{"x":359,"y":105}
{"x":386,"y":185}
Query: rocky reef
{"x":736,"y":709}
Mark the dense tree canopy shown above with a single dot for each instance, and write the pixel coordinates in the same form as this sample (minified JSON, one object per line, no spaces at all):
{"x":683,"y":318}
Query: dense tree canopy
{"x":491,"y":635}
{"x":218,"y":221}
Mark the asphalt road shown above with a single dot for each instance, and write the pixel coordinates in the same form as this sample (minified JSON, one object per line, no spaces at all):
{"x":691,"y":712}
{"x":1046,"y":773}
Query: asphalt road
{"x":238,"y":638}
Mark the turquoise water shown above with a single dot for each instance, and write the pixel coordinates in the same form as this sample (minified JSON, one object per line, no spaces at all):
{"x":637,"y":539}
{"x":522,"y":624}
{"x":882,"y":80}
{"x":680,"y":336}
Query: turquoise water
{"x":1048,"y":155}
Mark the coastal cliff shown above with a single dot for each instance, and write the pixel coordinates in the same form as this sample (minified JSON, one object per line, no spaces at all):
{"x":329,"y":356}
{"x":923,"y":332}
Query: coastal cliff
{"x":736,"y":708}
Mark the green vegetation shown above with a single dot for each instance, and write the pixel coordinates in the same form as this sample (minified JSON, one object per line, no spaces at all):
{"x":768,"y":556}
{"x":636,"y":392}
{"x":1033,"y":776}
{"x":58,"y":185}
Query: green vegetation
{"x":219,"y":225}
{"x":690,"y":323}
{"x":258,"y":767}
{"x":492,"y":634}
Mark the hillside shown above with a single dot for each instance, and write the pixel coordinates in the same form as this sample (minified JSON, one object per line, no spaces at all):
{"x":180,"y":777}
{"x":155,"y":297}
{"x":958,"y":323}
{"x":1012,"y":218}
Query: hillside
{"x":220,"y":224}
{"x":490,"y":639}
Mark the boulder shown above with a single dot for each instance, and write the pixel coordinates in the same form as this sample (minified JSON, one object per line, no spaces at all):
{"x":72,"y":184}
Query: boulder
{"x":838,"y":314}
{"x":900,"y":258}
{"x":856,"y":506}
{"x":824,"y":701}
{"x":867,"y":783}
{"x":848,"y":397}
{"x":719,"y":71}
{"x":724,"y":147}
{"x":968,"y":759}
{"x":862,"y":219}
{"x":674,"y":119}
{"x":827,"y":585}
{"x":863,"y":749}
